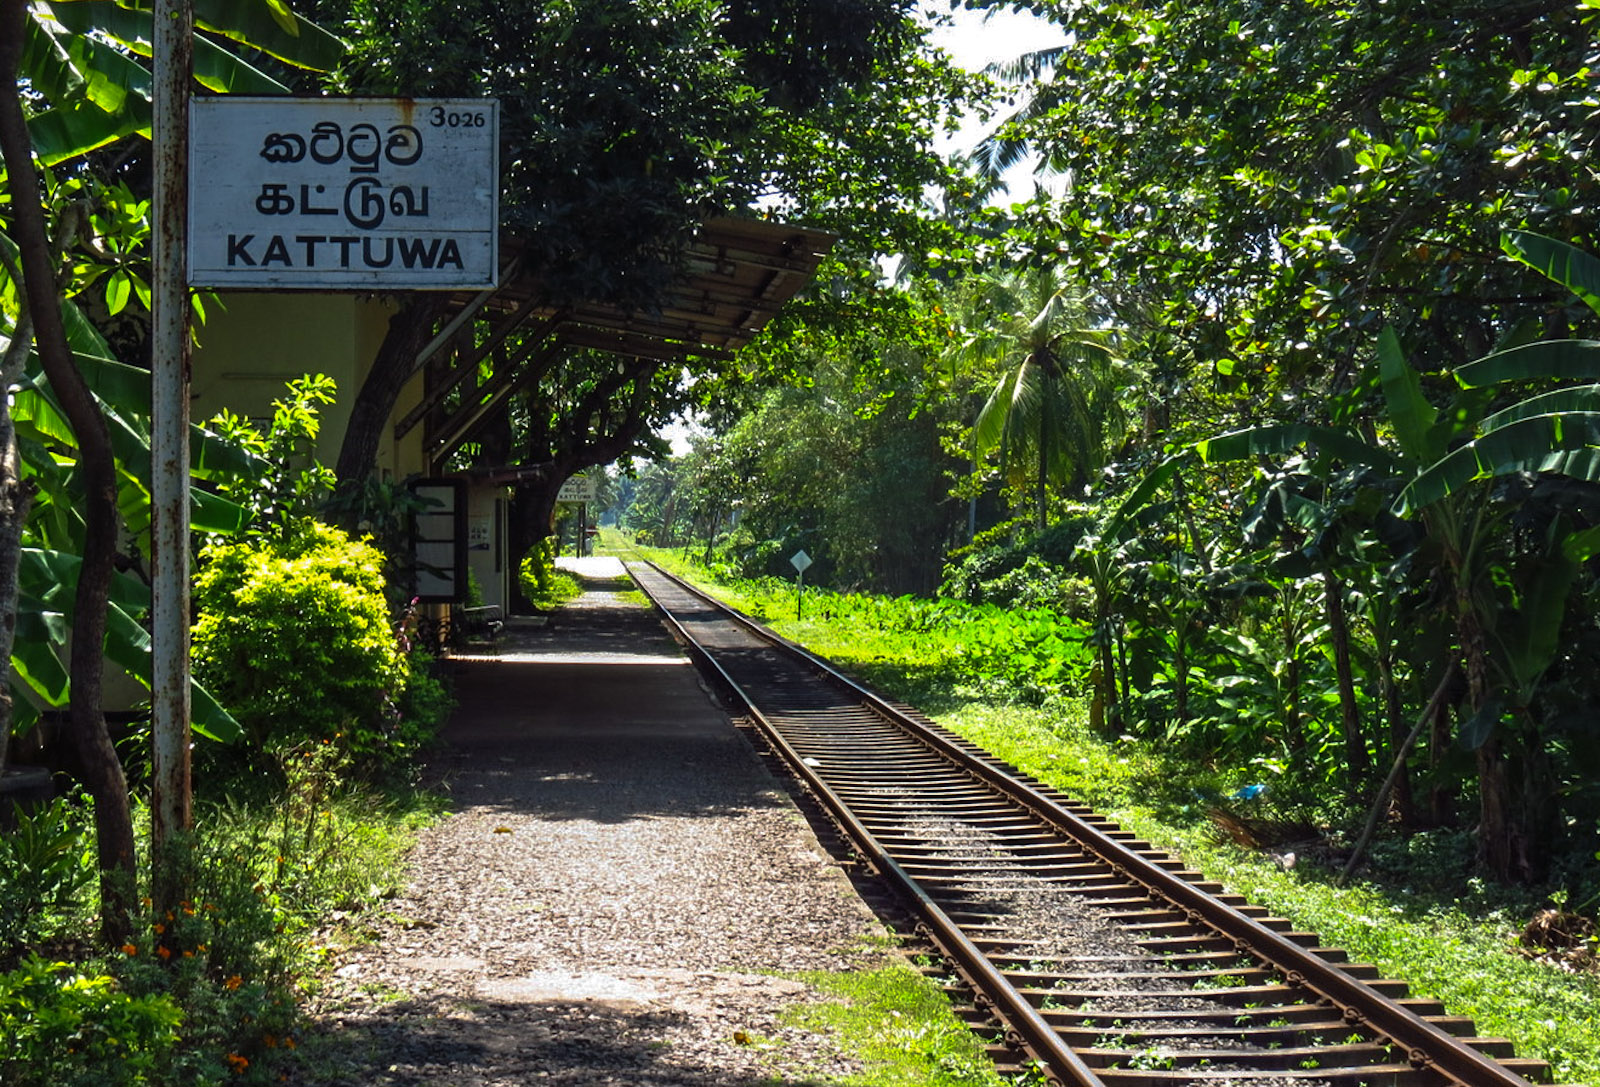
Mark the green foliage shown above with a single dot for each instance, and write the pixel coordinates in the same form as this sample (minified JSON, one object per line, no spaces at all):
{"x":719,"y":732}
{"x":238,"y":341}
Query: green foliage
{"x":291,"y":486}
{"x":1010,"y":566}
{"x":542,"y":584}
{"x":46,"y":863}
{"x":1054,"y":405}
{"x":383,"y":510}
{"x":425,"y":703}
{"x":852,"y":471}
{"x":87,"y":64}
{"x":67,"y":1028}
{"x":659,"y":112}
{"x":284,"y":616}
{"x":272,"y":866}
{"x":1018,"y":655}
{"x":900,"y":1025}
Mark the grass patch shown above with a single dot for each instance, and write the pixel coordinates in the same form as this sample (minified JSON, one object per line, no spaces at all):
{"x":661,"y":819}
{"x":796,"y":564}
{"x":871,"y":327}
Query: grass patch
{"x":900,"y":1024}
{"x":281,"y":876}
{"x":556,"y":591}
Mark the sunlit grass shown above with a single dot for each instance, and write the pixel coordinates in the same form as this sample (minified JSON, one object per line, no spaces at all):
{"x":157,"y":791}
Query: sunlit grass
{"x":899,"y":1025}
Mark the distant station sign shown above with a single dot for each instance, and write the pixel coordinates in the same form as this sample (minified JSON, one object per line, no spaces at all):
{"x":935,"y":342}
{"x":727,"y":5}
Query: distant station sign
{"x":579,"y":488}
{"x":343,"y":193}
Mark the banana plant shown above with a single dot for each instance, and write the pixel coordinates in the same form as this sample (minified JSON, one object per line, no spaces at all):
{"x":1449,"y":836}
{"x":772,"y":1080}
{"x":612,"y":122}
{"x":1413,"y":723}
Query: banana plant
{"x":88,"y":60}
{"x":49,"y":568}
{"x":64,"y":92}
{"x":1458,"y":474}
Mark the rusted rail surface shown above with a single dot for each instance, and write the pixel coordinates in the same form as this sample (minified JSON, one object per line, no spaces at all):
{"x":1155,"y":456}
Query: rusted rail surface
{"x":1099,"y":956}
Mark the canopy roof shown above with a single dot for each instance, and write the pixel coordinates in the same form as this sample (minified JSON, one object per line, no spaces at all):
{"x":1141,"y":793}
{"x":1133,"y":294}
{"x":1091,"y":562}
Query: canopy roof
{"x":736,"y":275}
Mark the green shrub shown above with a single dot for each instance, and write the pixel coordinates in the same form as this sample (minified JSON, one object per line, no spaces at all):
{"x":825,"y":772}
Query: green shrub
{"x":45,"y":864}
{"x":294,"y":638}
{"x":63,"y":1028}
{"x":537,"y":568}
{"x":542,"y":584}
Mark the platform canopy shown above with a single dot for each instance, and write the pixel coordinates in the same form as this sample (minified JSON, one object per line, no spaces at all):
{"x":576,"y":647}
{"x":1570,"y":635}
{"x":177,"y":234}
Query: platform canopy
{"x":735,"y":276}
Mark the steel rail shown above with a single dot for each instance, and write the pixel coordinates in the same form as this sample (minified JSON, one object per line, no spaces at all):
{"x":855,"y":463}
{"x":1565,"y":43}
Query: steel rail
{"x":1426,"y":1045}
{"x":1032,"y":1030}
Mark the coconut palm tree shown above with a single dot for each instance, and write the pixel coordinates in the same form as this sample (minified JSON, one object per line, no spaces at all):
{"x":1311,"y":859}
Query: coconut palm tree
{"x":1054,"y":403}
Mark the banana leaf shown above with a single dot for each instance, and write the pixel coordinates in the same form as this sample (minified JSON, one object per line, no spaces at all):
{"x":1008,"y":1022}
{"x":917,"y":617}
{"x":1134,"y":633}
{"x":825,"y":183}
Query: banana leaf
{"x":47,"y":583}
{"x":1579,"y":398}
{"x":1566,"y":264}
{"x":1412,"y":416}
{"x":269,"y":25}
{"x":1282,"y":438}
{"x":215,"y":68}
{"x":1563,"y":360}
{"x":1525,"y":445}
{"x":77,"y":128}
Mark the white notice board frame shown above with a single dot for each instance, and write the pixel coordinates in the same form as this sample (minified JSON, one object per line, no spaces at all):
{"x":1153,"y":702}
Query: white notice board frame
{"x":336,"y":194}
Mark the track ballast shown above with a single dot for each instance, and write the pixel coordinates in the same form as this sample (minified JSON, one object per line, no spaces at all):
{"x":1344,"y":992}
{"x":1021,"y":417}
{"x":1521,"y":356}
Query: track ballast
{"x":1098,"y":958}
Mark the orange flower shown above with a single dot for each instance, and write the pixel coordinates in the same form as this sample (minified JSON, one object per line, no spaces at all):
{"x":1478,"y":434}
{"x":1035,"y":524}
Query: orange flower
{"x":188,"y":954}
{"x":130,"y":949}
{"x":160,"y":928}
{"x":239,"y":1063}
{"x":165,"y":953}
{"x":233,"y":982}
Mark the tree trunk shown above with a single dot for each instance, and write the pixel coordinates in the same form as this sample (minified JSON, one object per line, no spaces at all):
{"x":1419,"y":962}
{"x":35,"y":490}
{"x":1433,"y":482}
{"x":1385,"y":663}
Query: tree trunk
{"x":1357,"y":763}
{"x":102,"y":771}
{"x":409,"y":331}
{"x":1042,"y":496}
{"x":1441,"y":794}
{"x":16,"y":496}
{"x":1500,"y":848}
{"x":1394,"y":713}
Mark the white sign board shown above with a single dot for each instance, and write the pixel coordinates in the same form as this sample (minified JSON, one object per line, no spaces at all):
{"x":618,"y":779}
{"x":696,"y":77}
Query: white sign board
{"x":344,"y":193}
{"x":800,"y":560}
{"x":578,"y":488}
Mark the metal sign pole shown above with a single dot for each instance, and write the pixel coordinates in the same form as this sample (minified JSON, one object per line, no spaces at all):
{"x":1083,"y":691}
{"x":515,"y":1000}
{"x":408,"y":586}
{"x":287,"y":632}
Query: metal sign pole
{"x":171,"y":810}
{"x":800,"y":561}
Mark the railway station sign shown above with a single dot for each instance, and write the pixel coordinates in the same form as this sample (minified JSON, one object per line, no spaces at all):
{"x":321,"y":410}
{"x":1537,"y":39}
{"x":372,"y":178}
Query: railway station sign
{"x":579,"y":488}
{"x":344,"y":193}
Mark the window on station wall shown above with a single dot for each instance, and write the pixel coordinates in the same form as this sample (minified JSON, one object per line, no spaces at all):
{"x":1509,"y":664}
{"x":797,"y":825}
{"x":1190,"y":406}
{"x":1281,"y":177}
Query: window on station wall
{"x":439,"y":541}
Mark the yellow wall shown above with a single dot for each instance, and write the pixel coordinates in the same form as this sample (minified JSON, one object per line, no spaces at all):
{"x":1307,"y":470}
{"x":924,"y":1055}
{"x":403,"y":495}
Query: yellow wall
{"x":255,"y":342}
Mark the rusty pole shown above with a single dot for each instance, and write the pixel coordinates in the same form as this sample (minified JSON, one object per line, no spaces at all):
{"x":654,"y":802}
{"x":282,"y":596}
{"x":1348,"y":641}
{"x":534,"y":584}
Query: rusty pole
{"x":171,"y":809}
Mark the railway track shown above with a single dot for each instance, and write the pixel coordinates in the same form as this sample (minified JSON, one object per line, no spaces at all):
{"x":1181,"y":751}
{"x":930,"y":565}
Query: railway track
{"x":1098,"y":958}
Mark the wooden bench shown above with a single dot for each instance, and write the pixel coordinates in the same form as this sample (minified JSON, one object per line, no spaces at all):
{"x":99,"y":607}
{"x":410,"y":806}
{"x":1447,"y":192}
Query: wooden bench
{"x":480,"y":624}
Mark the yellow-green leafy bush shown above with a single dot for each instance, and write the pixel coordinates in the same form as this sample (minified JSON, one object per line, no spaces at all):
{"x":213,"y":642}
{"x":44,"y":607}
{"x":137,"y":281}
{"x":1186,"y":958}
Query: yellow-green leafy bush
{"x":294,"y":638}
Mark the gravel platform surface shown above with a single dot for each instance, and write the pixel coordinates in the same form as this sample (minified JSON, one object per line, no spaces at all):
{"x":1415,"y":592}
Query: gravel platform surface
{"x":615,"y":896}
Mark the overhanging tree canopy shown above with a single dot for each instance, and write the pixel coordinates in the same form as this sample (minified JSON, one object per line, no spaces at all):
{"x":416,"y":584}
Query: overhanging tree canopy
{"x":630,"y":124}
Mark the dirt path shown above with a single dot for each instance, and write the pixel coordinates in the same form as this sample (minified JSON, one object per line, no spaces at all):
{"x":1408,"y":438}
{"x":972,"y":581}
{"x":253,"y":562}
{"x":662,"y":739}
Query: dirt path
{"x":612,"y":900}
